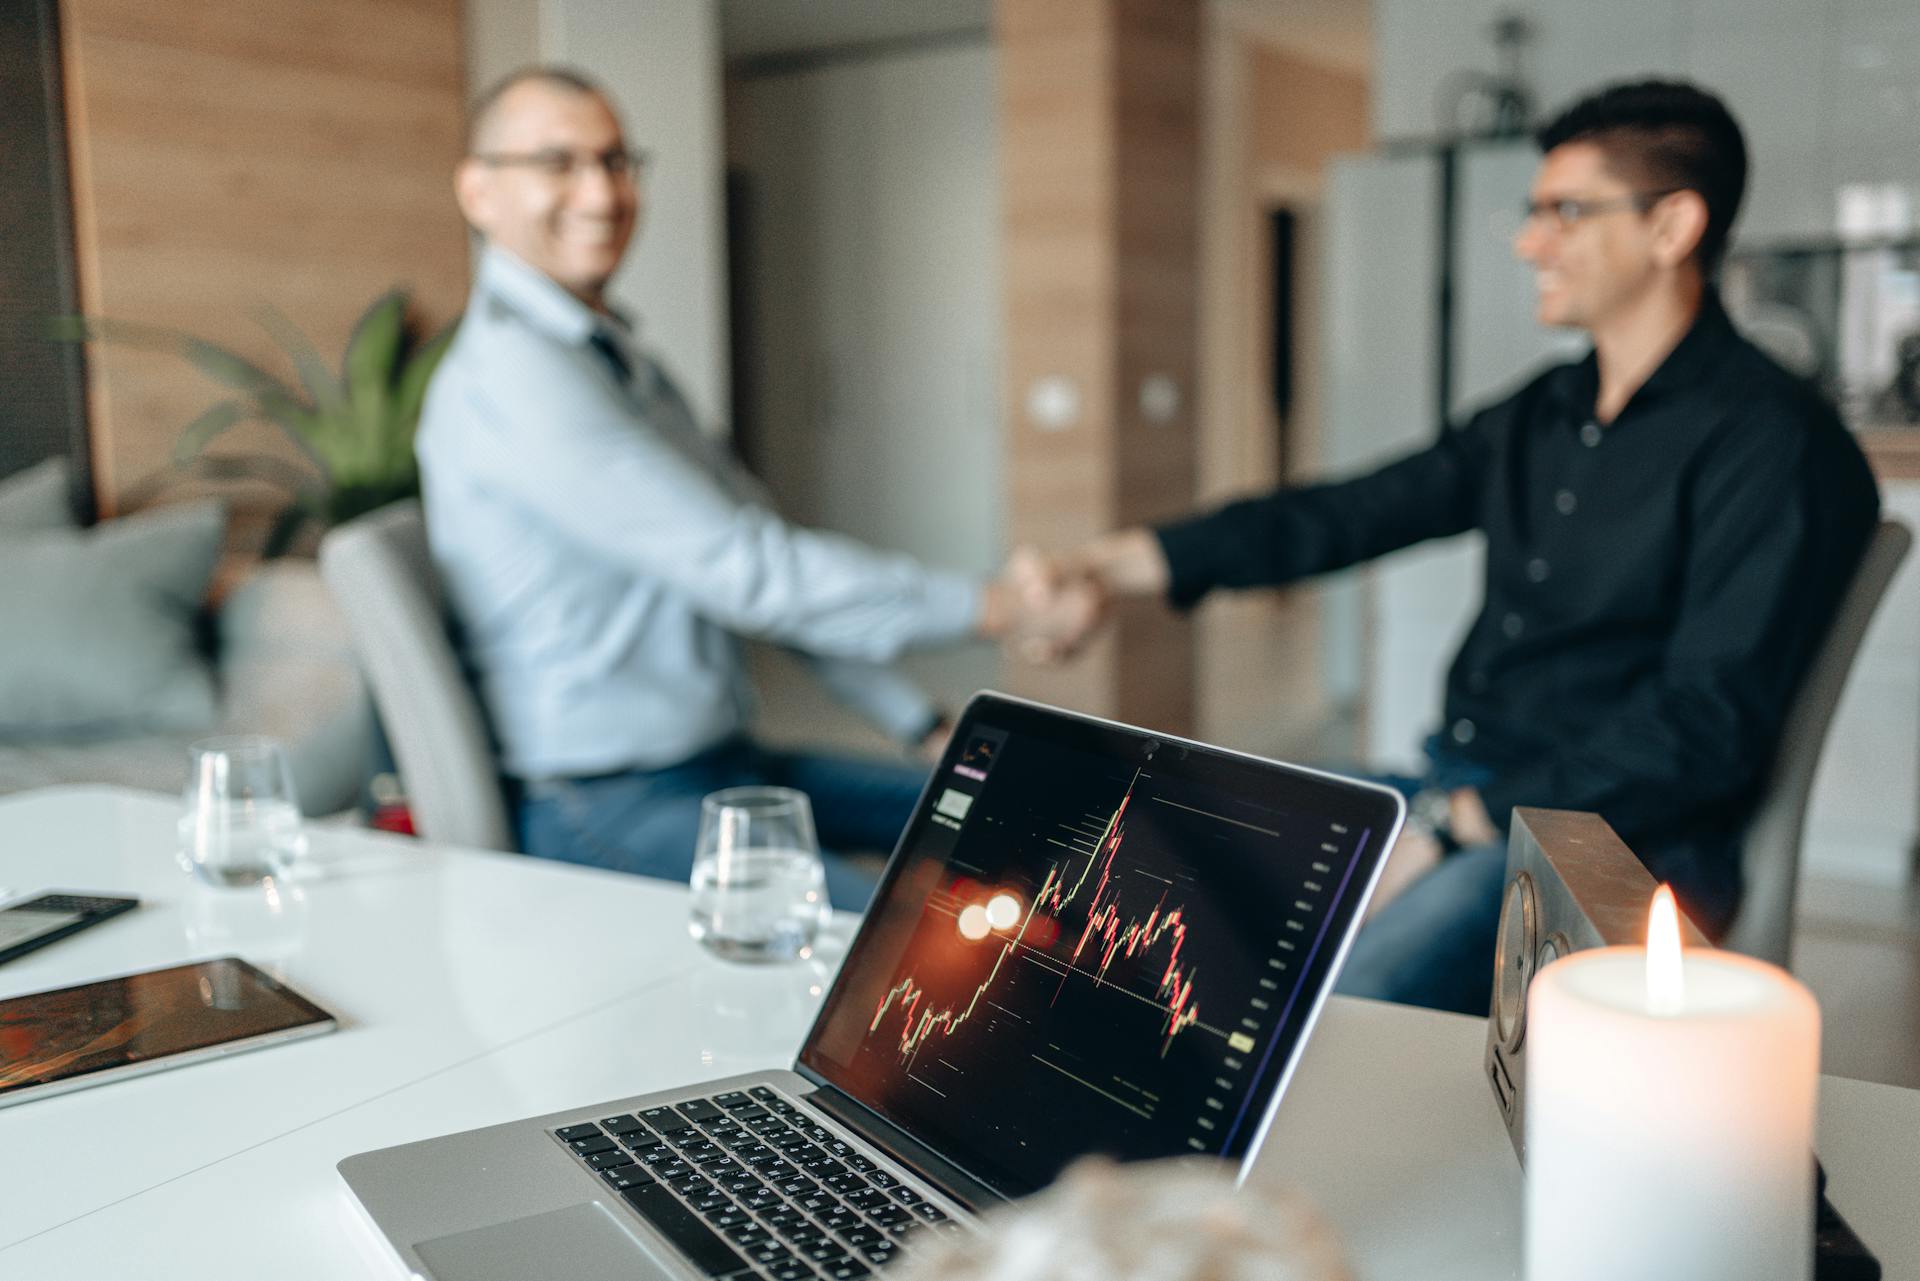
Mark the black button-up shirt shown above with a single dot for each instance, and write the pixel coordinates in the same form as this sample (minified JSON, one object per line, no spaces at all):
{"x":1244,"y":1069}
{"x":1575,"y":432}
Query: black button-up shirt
{"x":1655,"y":586}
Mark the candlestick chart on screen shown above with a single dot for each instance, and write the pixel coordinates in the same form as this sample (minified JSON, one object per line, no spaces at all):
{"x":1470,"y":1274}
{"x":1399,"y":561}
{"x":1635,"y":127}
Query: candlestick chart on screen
{"x":1106,"y":949}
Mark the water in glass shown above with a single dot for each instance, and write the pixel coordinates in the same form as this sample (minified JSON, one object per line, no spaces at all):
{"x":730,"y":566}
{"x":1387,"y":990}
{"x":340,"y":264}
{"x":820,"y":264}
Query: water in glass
{"x":759,"y":890}
{"x":242,"y":822}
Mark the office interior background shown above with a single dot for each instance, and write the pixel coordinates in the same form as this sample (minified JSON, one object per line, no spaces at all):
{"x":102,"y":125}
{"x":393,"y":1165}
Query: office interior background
{"x":957,"y":274}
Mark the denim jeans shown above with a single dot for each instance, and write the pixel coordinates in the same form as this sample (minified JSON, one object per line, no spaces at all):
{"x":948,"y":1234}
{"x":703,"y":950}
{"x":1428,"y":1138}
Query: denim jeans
{"x":646,"y":821}
{"x":1433,"y":944}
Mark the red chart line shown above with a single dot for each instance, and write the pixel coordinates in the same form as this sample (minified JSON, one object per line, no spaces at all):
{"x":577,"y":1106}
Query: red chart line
{"x":1104,"y":929}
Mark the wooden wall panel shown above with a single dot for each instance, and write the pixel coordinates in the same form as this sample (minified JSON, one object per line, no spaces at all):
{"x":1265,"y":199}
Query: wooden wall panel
{"x":232,"y":153}
{"x":1099,"y":128}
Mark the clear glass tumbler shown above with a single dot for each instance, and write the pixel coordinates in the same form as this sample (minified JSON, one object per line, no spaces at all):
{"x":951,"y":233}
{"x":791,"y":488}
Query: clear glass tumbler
{"x":759,"y":888}
{"x":242,"y":820}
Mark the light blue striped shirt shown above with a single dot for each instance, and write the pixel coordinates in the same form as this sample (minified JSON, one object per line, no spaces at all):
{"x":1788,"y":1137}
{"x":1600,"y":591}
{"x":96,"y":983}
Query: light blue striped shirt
{"x":603,"y":557}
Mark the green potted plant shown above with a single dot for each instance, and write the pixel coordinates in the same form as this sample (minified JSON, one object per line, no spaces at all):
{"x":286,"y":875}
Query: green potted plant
{"x":355,"y":427}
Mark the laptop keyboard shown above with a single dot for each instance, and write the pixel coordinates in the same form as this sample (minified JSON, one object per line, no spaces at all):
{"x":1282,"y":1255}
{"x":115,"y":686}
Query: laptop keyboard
{"x":748,"y":1185}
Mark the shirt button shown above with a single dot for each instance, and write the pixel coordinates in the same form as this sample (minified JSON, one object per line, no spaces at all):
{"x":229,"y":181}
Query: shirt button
{"x":1564,"y":502}
{"x":1463,"y":731}
{"x":1591,"y":435}
{"x":1537,"y":570}
{"x":1512,"y":625}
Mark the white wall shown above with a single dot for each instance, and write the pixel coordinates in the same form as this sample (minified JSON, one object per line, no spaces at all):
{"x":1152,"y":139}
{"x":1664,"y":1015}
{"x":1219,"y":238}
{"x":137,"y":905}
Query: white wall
{"x":1827,"y":90}
{"x":661,"y":62}
{"x":876,"y":255}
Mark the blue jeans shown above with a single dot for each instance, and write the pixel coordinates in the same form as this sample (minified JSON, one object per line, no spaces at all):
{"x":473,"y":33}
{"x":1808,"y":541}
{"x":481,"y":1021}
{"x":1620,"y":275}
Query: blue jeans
{"x":646,"y":821}
{"x":1433,"y":944}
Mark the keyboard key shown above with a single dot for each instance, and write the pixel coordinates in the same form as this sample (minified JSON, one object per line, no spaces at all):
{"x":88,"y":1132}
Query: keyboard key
{"x":595,"y":1142}
{"x":732,"y":1098}
{"x":930,"y":1212}
{"x":907,"y":1196}
{"x":700,"y":1110}
{"x":729,"y":1218}
{"x":571,"y":1133}
{"x":608,"y":1160}
{"x":691,"y":1186}
{"x":791,"y":1271}
{"x":626,"y":1176}
{"x":880,"y":1253}
{"x":825,"y":1252}
{"x":881,"y":1179}
{"x":841,"y":1220}
{"x":846,"y":1269}
{"x":696,"y":1240}
{"x":765,"y":1093}
{"x":893,"y":1216}
{"x":861,"y":1163}
{"x":623,"y":1124}
{"x":871,"y":1199}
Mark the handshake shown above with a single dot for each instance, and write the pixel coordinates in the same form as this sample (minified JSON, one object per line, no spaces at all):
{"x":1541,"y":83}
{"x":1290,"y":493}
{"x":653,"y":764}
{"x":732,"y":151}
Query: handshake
{"x":1044,"y":608}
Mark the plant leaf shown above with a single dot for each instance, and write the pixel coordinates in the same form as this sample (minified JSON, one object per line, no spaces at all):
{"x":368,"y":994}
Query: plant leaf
{"x":373,"y":353}
{"x":236,"y":372}
{"x":323,"y":389}
{"x":211,"y":421}
{"x":410,"y":389}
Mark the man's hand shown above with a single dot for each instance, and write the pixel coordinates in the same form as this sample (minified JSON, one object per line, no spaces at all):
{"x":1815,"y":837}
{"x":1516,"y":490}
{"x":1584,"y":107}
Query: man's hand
{"x":1412,"y":856}
{"x":930,"y":748}
{"x":1041,"y":610}
{"x":1468,"y":820}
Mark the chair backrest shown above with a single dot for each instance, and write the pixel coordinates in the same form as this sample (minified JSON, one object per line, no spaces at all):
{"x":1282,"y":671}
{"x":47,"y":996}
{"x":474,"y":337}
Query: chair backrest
{"x":380,"y":571}
{"x":1770,"y":858}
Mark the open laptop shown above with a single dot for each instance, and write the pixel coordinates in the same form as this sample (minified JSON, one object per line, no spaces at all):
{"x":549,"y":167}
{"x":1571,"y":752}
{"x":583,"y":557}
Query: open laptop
{"x":1090,"y":938}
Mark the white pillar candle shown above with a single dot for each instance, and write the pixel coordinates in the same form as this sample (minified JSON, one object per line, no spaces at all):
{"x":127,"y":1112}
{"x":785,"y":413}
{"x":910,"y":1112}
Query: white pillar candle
{"x":1669,"y":1117}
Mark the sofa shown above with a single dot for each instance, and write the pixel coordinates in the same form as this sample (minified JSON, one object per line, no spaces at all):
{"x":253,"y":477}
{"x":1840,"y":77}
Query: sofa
{"x":272,"y":656}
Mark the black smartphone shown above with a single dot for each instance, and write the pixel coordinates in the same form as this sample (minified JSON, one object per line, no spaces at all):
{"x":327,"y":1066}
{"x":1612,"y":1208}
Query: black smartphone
{"x":48,"y":918}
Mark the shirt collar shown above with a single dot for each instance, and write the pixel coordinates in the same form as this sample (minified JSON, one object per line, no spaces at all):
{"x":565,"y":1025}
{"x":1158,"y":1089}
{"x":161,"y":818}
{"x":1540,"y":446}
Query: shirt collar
{"x":545,"y":304}
{"x":1686,"y":367}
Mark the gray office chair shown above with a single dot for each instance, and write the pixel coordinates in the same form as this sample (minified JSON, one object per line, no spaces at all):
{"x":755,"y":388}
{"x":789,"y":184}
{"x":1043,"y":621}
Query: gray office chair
{"x":380,"y":572}
{"x":1771,"y":856}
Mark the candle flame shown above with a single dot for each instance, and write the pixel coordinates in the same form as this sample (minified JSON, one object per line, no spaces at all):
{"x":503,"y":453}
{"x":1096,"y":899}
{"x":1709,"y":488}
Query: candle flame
{"x":1666,"y":988}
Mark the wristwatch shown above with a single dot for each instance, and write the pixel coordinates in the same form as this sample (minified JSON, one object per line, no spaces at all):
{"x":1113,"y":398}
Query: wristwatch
{"x":1431,"y":809}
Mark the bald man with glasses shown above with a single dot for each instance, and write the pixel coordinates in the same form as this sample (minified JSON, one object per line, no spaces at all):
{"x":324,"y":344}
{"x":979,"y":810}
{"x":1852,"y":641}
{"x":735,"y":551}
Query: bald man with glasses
{"x":603,"y":557}
{"x":1670,"y":523}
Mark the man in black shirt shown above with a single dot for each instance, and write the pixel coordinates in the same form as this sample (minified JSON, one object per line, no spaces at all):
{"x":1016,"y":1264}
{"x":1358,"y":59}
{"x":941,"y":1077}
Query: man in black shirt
{"x":1670,"y":523}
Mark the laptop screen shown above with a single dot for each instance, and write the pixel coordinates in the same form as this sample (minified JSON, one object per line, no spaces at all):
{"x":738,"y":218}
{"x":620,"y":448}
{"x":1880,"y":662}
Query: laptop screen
{"x":1095,"y":940}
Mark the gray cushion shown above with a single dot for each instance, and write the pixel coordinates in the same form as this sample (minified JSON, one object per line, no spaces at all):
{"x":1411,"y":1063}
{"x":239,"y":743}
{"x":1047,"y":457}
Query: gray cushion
{"x":98,"y":626}
{"x":37,"y":498}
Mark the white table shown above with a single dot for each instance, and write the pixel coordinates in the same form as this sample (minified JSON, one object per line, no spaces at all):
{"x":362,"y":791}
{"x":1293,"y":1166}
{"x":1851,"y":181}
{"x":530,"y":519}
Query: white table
{"x":478,"y":987}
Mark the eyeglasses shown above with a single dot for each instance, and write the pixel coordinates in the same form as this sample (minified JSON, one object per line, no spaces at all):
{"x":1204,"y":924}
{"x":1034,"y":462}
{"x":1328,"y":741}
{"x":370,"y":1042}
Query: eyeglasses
{"x":562,"y":165}
{"x":1566,"y":214}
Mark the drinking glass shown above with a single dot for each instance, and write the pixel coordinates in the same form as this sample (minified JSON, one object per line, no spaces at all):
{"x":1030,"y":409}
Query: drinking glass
{"x":759,"y":888}
{"x":242,"y":823}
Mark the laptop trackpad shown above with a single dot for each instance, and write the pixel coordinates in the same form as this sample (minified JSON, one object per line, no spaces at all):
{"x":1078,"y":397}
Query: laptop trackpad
{"x":582,"y":1243}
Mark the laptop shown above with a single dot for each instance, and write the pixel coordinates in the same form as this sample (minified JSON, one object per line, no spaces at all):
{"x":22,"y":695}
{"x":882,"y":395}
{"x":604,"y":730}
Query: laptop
{"x":1090,"y":938}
